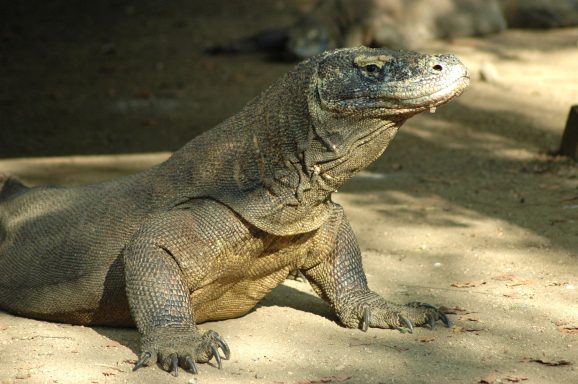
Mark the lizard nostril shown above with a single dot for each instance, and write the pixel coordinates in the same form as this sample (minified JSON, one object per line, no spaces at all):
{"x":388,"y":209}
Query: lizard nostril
{"x":438,"y":68}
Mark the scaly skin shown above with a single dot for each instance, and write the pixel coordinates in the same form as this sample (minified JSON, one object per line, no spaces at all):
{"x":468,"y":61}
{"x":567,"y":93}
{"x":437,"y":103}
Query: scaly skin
{"x":208,"y":233}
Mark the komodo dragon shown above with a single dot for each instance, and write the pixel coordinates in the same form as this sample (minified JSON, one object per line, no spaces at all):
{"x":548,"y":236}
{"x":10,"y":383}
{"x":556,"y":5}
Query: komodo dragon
{"x":378,"y":23}
{"x":400,"y":24}
{"x":209,"y":232}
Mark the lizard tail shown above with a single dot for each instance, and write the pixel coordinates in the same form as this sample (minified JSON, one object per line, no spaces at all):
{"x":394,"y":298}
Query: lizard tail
{"x":10,"y":186}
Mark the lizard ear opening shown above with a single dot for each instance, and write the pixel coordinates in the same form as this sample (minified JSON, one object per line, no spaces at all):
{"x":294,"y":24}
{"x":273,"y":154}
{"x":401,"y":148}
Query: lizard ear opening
{"x":315,"y":101}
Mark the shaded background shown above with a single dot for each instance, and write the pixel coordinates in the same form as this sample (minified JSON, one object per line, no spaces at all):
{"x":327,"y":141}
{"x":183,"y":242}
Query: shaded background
{"x":107,"y":76}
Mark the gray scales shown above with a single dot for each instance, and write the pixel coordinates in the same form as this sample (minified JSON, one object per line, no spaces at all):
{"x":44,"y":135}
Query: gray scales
{"x":209,"y":232}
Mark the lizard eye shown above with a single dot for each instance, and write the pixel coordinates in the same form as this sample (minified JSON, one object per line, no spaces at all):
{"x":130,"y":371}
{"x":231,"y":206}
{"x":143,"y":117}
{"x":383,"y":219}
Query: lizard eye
{"x":371,"y":68}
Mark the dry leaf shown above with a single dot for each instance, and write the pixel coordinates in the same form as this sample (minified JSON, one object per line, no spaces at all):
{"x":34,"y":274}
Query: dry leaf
{"x":505,"y":277}
{"x":516,"y":283}
{"x":568,"y":328}
{"x":556,"y":284}
{"x":470,"y":318}
{"x":515,"y":379}
{"x":458,"y":329}
{"x":425,"y":339}
{"x":550,"y":363}
{"x":468,"y":284}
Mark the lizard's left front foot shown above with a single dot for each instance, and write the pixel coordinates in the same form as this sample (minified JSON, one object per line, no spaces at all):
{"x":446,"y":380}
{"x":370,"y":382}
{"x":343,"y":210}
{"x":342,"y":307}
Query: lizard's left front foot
{"x":376,"y":312}
{"x":172,"y":347}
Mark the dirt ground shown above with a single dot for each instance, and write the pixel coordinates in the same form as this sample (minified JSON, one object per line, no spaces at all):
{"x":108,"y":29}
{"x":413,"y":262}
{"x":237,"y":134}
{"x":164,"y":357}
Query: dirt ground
{"x":464,"y":210}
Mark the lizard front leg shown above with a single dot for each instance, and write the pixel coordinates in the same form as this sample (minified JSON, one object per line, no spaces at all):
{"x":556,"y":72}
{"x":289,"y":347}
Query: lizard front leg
{"x":160,"y":300}
{"x":339,"y":279}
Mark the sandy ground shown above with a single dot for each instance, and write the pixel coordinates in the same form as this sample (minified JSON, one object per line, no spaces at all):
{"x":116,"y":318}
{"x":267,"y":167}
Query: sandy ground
{"x":464,"y":210}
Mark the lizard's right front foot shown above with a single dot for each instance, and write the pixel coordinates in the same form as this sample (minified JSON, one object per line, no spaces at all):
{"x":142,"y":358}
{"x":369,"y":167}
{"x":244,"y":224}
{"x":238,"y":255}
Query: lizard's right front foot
{"x":171,"y":347}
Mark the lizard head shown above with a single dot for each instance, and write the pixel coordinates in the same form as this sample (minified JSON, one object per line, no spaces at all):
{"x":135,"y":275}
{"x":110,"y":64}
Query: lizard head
{"x":358,"y":97}
{"x":382,"y":82}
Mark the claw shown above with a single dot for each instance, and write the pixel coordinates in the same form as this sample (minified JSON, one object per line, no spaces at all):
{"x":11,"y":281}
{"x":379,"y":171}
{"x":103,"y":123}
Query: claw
{"x":406,"y":323}
{"x":365,"y":319}
{"x":224,"y":347}
{"x":142,"y":360}
{"x":217,"y":356}
{"x":192,"y":365}
{"x":445,"y":319}
{"x":174,"y":365}
{"x":432,"y":322}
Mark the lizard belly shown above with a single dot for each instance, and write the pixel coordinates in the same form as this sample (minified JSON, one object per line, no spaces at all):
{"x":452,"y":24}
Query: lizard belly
{"x":245,"y":280}
{"x":235,"y":299}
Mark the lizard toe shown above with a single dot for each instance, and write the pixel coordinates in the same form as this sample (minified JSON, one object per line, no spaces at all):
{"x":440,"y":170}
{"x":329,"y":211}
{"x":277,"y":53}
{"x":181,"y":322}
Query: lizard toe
{"x":143,"y":360}
{"x":175,"y":364}
{"x":191,"y":364}
{"x":427,"y":314}
{"x":221,"y":344}
{"x":407,"y":324}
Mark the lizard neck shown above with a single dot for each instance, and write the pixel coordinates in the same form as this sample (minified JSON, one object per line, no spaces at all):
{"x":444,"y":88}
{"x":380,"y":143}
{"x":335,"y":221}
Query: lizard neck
{"x":278,"y":160}
{"x":309,"y":152}
{"x":253,"y":163}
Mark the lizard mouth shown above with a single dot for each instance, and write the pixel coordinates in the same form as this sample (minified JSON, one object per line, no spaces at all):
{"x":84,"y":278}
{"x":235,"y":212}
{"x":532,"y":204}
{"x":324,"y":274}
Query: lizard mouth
{"x":397,"y":106}
{"x":402,"y":102}
{"x":439,"y":97}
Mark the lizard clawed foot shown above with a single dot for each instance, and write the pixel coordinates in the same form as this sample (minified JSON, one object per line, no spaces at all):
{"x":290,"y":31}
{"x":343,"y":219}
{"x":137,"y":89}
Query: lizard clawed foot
{"x":174,"y":347}
{"x":382,"y":314}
